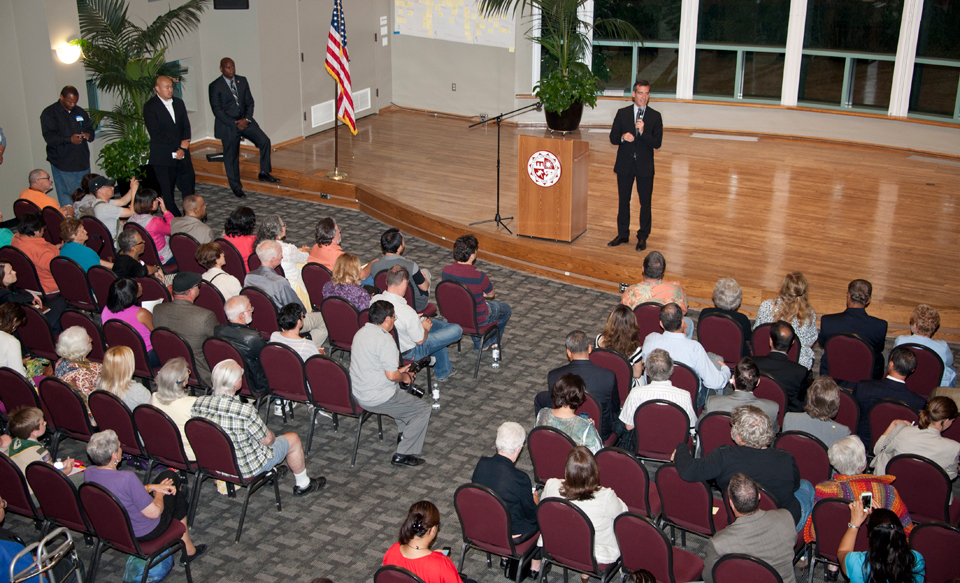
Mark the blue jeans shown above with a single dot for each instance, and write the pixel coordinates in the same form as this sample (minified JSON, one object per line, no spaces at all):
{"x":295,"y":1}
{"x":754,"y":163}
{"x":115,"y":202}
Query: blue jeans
{"x":441,"y":335}
{"x":805,"y":495}
{"x":66,"y":183}
{"x":689,"y":331}
{"x":498,"y":312}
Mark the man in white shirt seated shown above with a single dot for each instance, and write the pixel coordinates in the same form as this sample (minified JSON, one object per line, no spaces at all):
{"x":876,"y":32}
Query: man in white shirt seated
{"x":659,"y":367}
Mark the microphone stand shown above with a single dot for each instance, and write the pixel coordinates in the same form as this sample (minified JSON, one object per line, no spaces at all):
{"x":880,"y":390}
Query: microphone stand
{"x":499,"y":119}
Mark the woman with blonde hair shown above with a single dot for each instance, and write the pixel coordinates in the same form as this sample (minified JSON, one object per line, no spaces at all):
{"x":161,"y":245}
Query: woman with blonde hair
{"x":346,"y":282}
{"x":117,"y":377}
{"x":173,"y":399}
{"x":792,"y":306}
{"x":620,"y":335}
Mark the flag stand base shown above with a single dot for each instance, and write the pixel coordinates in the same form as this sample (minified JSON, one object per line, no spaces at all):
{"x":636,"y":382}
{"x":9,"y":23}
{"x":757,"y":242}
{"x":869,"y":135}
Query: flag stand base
{"x":337,"y":175}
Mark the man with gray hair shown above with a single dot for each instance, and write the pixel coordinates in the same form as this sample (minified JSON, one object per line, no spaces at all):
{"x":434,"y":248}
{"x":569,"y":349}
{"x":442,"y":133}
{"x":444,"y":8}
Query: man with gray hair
{"x":654,"y":289}
{"x":659,"y":367}
{"x":727,"y":296}
{"x":248,"y":341}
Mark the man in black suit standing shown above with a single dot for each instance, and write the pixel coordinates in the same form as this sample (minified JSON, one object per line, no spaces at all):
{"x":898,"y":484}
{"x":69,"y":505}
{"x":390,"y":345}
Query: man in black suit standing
{"x":793,"y":377}
{"x":855,"y":320}
{"x":902,"y":364}
{"x":232,"y":105}
{"x":169,"y":126}
{"x":638,"y":131}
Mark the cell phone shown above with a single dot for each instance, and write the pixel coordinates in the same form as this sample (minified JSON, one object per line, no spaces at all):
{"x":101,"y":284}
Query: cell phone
{"x":445,"y":551}
{"x":866,"y":498}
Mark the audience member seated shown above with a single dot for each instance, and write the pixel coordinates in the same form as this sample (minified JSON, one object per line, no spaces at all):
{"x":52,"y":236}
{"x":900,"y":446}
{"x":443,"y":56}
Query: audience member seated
{"x":568,"y":393}
{"x":924,"y":323}
{"x":393,"y":244}
{"x":173,"y":398}
{"x":40,"y":185}
{"x":889,"y":557}
{"x":290,"y":321}
{"x":901,"y":365}
{"x":122,"y":305}
{"x":418,"y":337}
{"x":210,"y":256}
{"x":713,"y":373}
{"x":727,"y":296}
{"x":581,"y":485}
{"x":74,"y":235}
{"x":272,"y":228}
{"x":240,"y":230}
{"x":849,"y":458}
{"x":598,"y":381}
{"x":345,"y":282}
{"x":620,"y":334}
{"x":27,"y":426}
{"x":464,"y":271}
{"x":855,"y":320}
{"x":412,"y":549}
{"x":73,"y":367}
{"x":127,"y":262}
{"x":109,"y":210}
{"x":746,"y":377}
{"x":375,"y":377}
{"x":774,"y":469}
{"x":659,"y":367}
{"x":116,"y":377}
{"x":37,"y":249}
{"x":793,"y":377}
{"x":922,"y":439}
{"x":145,"y":206}
{"x":83,"y":198}
{"x":325,"y":252}
{"x":247,"y":340}
{"x":792,"y":306}
{"x":499,"y":473}
{"x":279,"y":291}
{"x":258,"y":449}
{"x":765,"y":534}
{"x":55,"y":306}
{"x":817,"y":418}
{"x":192,"y":323}
{"x":151,"y":507}
{"x":654,"y":289}
{"x":12,"y":316}
{"x":193,"y":222}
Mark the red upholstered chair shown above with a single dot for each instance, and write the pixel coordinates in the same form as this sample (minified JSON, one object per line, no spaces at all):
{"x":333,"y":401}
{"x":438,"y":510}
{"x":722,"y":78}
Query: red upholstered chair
{"x":458,"y":307}
{"x":644,"y":546}
{"x":809,"y":452}
{"x":71,"y":317}
{"x":486,"y":525}
{"x":264,"y":312}
{"x":169,"y":345}
{"x":720,"y":334}
{"x":330,"y":385}
{"x":925,"y":488}
{"x":648,"y":319}
{"x":184,"y":249}
{"x":36,"y":335}
{"x":614,"y":361}
{"x":688,"y":506}
{"x":216,"y":350}
{"x":52,"y":217}
{"x":850,"y":358}
{"x":98,"y":237}
{"x":761,"y":342}
{"x":253,"y":262}
{"x":768,"y":388}
{"x":16,"y":391}
{"x":234,"y":265}
{"x":73,"y":284}
{"x":380,"y":281}
{"x":22,"y":206}
{"x":342,"y":320}
{"x":211,"y":299}
{"x":395,"y":574}
{"x":660,"y":426}
{"x":830,"y":518}
{"x":119,"y":333}
{"x":67,"y":413}
{"x":929,"y":370}
{"x":100,"y":279}
{"x":568,"y":538}
{"x":738,"y":567}
{"x":111,"y":523}
{"x":13,"y":490}
{"x":714,"y":431}
{"x":287,"y":380}
{"x":153,"y":290}
{"x":162,"y":441}
{"x":685,"y":378}
{"x":849,"y":413}
{"x":939,"y":543}
{"x":549,"y":448}
{"x":58,"y":498}
{"x":315,"y":276}
{"x":628,"y":477}
{"x":150,"y":254}
{"x":592,"y":408}
{"x":111,"y":413}
{"x":883,"y":412}
{"x":217,"y":459}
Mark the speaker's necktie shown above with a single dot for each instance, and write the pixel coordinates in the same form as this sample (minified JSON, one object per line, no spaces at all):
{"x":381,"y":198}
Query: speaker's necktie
{"x":233,"y":89}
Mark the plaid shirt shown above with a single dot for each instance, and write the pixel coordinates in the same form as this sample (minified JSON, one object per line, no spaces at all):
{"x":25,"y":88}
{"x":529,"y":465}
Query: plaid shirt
{"x":242,"y":424}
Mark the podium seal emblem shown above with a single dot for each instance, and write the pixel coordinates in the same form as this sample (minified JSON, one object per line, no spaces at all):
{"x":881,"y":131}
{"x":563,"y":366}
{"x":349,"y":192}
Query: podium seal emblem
{"x":543,"y":168}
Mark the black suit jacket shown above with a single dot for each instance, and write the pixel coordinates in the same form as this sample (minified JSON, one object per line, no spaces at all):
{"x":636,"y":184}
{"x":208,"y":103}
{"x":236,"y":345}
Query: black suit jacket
{"x":601,"y":383}
{"x":793,"y":377}
{"x":500,"y":475}
{"x":636,"y":157}
{"x":165,"y":134}
{"x":855,"y":321}
{"x":869,"y":392}
{"x":225,"y":108}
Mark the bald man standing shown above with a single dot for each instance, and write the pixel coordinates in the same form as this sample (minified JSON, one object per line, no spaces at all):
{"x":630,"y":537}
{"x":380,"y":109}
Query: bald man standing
{"x":166,"y":119}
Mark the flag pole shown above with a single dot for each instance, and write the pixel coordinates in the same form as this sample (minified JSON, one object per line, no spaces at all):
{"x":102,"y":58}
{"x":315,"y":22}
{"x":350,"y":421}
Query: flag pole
{"x":336,"y":174}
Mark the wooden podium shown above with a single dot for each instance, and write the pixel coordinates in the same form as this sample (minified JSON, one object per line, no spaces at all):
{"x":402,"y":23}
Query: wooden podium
{"x":552,"y":176}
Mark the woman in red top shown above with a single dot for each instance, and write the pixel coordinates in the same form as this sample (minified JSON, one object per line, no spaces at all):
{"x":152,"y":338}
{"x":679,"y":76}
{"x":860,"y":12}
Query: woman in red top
{"x":413,"y":552}
{"x":240,"y":229}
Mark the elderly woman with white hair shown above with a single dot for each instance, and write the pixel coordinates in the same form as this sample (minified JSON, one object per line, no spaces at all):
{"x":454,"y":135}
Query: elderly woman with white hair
{"x":117,"y":377}
{"x":727,"y":296}
{"x":151,"y":507}
{"x":173,"y":398}
{"x":73,"y":348}
{"x":774,"y":469}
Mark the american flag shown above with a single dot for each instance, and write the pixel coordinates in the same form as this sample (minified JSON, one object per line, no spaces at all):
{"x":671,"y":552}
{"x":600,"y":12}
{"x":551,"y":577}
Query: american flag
{"x":337,"y":64}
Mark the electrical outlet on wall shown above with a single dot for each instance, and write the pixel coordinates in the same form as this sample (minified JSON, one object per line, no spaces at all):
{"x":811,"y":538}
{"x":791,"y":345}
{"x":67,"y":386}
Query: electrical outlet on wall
{"x":453,"y":87}
{"x":483,"y":117}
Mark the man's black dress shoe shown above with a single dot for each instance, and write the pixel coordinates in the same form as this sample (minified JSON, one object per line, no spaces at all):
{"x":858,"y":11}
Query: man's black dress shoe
{"x":641,"y":244}
{"x":617,"y":241}
{"x":265,"y":177}
{"x":239,"y":193}
{"x":406,"y":460}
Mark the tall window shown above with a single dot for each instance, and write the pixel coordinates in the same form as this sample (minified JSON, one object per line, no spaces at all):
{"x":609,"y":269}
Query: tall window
{"x":618,"y":63}
{"x":936,"y":75}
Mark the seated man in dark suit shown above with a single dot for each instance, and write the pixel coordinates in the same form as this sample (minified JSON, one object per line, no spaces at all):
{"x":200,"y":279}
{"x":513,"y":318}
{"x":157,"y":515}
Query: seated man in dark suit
{"x":902,"y":364}
{"x":600,"y":382}
{"x":792,"y":376}
{"x":855,"y":320}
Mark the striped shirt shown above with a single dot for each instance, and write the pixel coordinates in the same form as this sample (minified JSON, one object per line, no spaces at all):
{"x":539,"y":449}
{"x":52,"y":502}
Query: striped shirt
{"x":657,"y":390}
{"x":476,"y":281}
{"x":244,"y":427}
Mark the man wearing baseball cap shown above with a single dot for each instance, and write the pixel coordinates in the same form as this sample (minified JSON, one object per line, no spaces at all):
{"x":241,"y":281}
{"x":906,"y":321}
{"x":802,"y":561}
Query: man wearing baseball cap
{"x":107,"y":210}
{"x":193,"y":323}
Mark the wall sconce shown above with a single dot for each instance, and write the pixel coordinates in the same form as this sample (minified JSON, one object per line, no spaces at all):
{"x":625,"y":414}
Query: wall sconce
{"x":69,"y":53}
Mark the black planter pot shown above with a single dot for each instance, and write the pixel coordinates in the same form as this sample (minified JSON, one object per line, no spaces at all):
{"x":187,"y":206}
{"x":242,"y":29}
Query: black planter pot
{"x":565,"y":121}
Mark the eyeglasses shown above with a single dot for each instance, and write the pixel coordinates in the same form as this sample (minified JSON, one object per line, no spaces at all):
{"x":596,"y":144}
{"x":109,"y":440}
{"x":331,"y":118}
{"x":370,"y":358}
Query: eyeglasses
{"x":138,"y":244}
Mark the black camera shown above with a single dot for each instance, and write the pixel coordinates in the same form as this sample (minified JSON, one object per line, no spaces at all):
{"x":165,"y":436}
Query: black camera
{"x":419,"y":365}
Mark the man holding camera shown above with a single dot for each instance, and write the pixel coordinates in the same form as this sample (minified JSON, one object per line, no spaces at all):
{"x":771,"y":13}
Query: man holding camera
{"x":375,"y":375}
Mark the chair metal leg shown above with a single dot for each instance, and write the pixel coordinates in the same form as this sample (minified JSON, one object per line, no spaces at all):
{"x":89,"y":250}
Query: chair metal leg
{"x":336,"y":422}
{"x":192,"y":511}
{"x":55,"y":445}
{"x":313,"y":423}
{"x":489,"y":560}
{"x":276,"y":491}
{"x":243,"y":511}
{"x":463,"y":555}
{"x":380,"y":425}
{"x":476,"y":370}
{"x":356,"y":442}
{"x":94,"y":562}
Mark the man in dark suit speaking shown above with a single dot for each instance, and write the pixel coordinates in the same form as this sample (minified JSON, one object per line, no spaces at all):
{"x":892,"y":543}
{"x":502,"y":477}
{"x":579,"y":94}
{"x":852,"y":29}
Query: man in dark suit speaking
{"x":166,"y":119}
{"x":232,"y":105}
{"x":638,"y":131}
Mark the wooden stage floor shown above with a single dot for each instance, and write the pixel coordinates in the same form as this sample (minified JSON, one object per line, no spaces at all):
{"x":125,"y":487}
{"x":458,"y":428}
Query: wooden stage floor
{"x":752,"y":210}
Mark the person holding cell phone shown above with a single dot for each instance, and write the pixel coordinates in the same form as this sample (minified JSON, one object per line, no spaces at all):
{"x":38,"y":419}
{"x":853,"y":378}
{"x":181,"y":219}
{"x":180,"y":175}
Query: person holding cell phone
{"x":412,"y":549}
{"x":889,"y":557}
{"x":67,"y":130}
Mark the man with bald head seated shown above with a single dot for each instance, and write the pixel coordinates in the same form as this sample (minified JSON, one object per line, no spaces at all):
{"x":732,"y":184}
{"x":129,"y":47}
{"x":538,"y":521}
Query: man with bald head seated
{"x":169,"y":126}
{"x":192,"y":222}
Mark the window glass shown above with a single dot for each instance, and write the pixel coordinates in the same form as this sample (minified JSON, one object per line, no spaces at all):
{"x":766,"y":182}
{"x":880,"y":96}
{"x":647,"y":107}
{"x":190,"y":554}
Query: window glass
{"x":659,"y":67}
{"x":940,"y":29}
{"x":612,"y":66}
{"x":655,"y":20}
{"x":866,"y":26}
{"x":762,"y":75}
{"x":716,"y":73}
{"x":934,"y":89}
{"x":821,"y":79}
{"x":744,"y":22}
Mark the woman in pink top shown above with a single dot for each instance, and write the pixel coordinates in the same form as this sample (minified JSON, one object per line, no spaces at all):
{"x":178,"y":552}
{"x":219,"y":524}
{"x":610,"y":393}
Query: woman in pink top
{"x":240,"y":231}
{"x":145,"y":204}
{"x":122,"y":305}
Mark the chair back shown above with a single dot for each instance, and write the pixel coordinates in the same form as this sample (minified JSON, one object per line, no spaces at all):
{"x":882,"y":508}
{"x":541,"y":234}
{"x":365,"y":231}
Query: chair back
{"x":567,"y":534}
{"x":457,"y":305}
{"x":14,"y":491}
{"x":100,"y":279}
{"x":315,"y":276}
{"x":939,"y":543}
{"x":119,"y":333}
{"x":57,"y":496}
{"x":849,"y":358}
{"x":929,"y":371}
{"x":720,"y":334}
{"x":153,"y":290}
{"x":761,"y":342}
{"x":330,"y":384}
{"x":22,"y":206}
{"x":73,"y":284}
{"x":150,"y":254}
{"x":68,"y":414}
{"x":380,"y":280}
{"x":184,"y":249}
{"x":738,"y":567}
{"x":687,"y":379}
{"x":484,"y":519}
{"x":162,"y":441}
{"x":342,"y":320}
{"x":628,"y":477}
{"x":27,"y":278}
{"x":52,"y":217}
{"x":849,"y":413}
{"x":112,"y":413}
{"x":395,"y":574}
{"x":109,"y":518}
{"x":660,"y":426}
{"x":234,"y":265}
{"x":98,"y":237}
{"x":714,"y":431}
{"x":883,"y":412}
{"x":923,"y":485}
{"x":648,"y":319}
{"x":36,"y":335}
{"x":284,"y":371}
{"x":264,"y":312}
{"x":216,"y":350}
{"x":168,"y":345}
{"x":16,"y":391}
{"x":644,"y":546}
{"x":768,"y":388}
{"x":211,"y":299}
{"x":616,"y":362}
{"x":549,"y":448}
{"x":809,"y":452}
{"x":687,"y":505}
{"x":592,"y":407}
{"x":216,"y":454}
{"x":830,"y":518}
